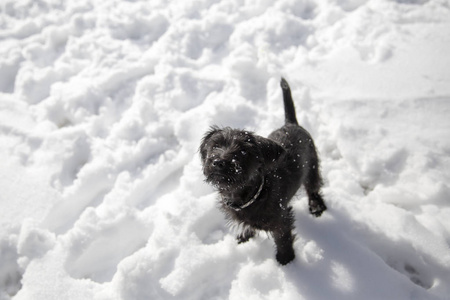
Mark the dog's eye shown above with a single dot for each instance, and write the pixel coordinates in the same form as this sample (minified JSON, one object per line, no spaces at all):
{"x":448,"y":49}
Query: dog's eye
{"x":244,"y":152}
{"x":215,"y":149}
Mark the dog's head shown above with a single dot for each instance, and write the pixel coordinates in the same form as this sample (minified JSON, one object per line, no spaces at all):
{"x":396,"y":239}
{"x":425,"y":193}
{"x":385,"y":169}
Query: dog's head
{"x":231,"y":157}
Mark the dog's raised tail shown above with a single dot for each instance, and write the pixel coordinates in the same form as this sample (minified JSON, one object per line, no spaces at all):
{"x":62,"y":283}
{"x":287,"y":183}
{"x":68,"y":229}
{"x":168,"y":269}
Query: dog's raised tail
{"x":289,"y":109}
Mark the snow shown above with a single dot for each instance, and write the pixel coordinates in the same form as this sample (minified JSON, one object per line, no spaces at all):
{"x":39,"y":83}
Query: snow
{"x":102,"y":108}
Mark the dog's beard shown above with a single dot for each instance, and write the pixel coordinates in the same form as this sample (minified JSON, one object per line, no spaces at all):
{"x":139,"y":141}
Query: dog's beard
{"x":232,"y":180}
{"x":225,"y":180}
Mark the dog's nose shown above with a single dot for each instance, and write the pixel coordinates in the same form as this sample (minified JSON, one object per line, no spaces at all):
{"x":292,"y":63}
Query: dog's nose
{"x":219,"y":163}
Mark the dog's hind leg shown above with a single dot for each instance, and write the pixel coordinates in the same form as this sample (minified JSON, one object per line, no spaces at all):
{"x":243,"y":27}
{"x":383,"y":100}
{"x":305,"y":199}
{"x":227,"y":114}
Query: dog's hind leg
{"x":316,"y":204}
{"x":284,"y":239}
{"x":312,"y":185}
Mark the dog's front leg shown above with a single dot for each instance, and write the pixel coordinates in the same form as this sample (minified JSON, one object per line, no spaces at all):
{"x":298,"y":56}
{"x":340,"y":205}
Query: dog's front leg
{"x":245,"y":235}
{"x":284,"y":240}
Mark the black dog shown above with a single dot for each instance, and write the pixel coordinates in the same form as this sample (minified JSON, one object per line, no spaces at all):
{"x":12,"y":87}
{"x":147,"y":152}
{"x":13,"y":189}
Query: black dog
{"x":257,"y":177}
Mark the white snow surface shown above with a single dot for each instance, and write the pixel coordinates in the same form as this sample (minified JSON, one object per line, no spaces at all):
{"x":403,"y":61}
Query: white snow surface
{"x":102,"y":108}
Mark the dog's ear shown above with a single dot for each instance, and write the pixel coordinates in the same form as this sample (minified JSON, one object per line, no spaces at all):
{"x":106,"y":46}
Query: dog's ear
{"x":203,"y":149}
{"x":270,"y":151}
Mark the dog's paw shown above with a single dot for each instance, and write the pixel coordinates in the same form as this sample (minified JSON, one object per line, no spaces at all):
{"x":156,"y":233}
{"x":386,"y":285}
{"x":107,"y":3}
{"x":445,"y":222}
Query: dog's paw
{"x":242,"y":239}
{"x":316,"y":209}
{"x":245,"y":236}
{"x":285,"y":257}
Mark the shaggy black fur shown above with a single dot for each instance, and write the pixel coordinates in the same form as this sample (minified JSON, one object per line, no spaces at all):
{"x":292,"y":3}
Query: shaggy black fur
{"x":256,"y":177}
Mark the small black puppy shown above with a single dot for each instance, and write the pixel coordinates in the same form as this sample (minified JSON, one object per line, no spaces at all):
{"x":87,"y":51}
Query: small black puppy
{"x":256,"y":177}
